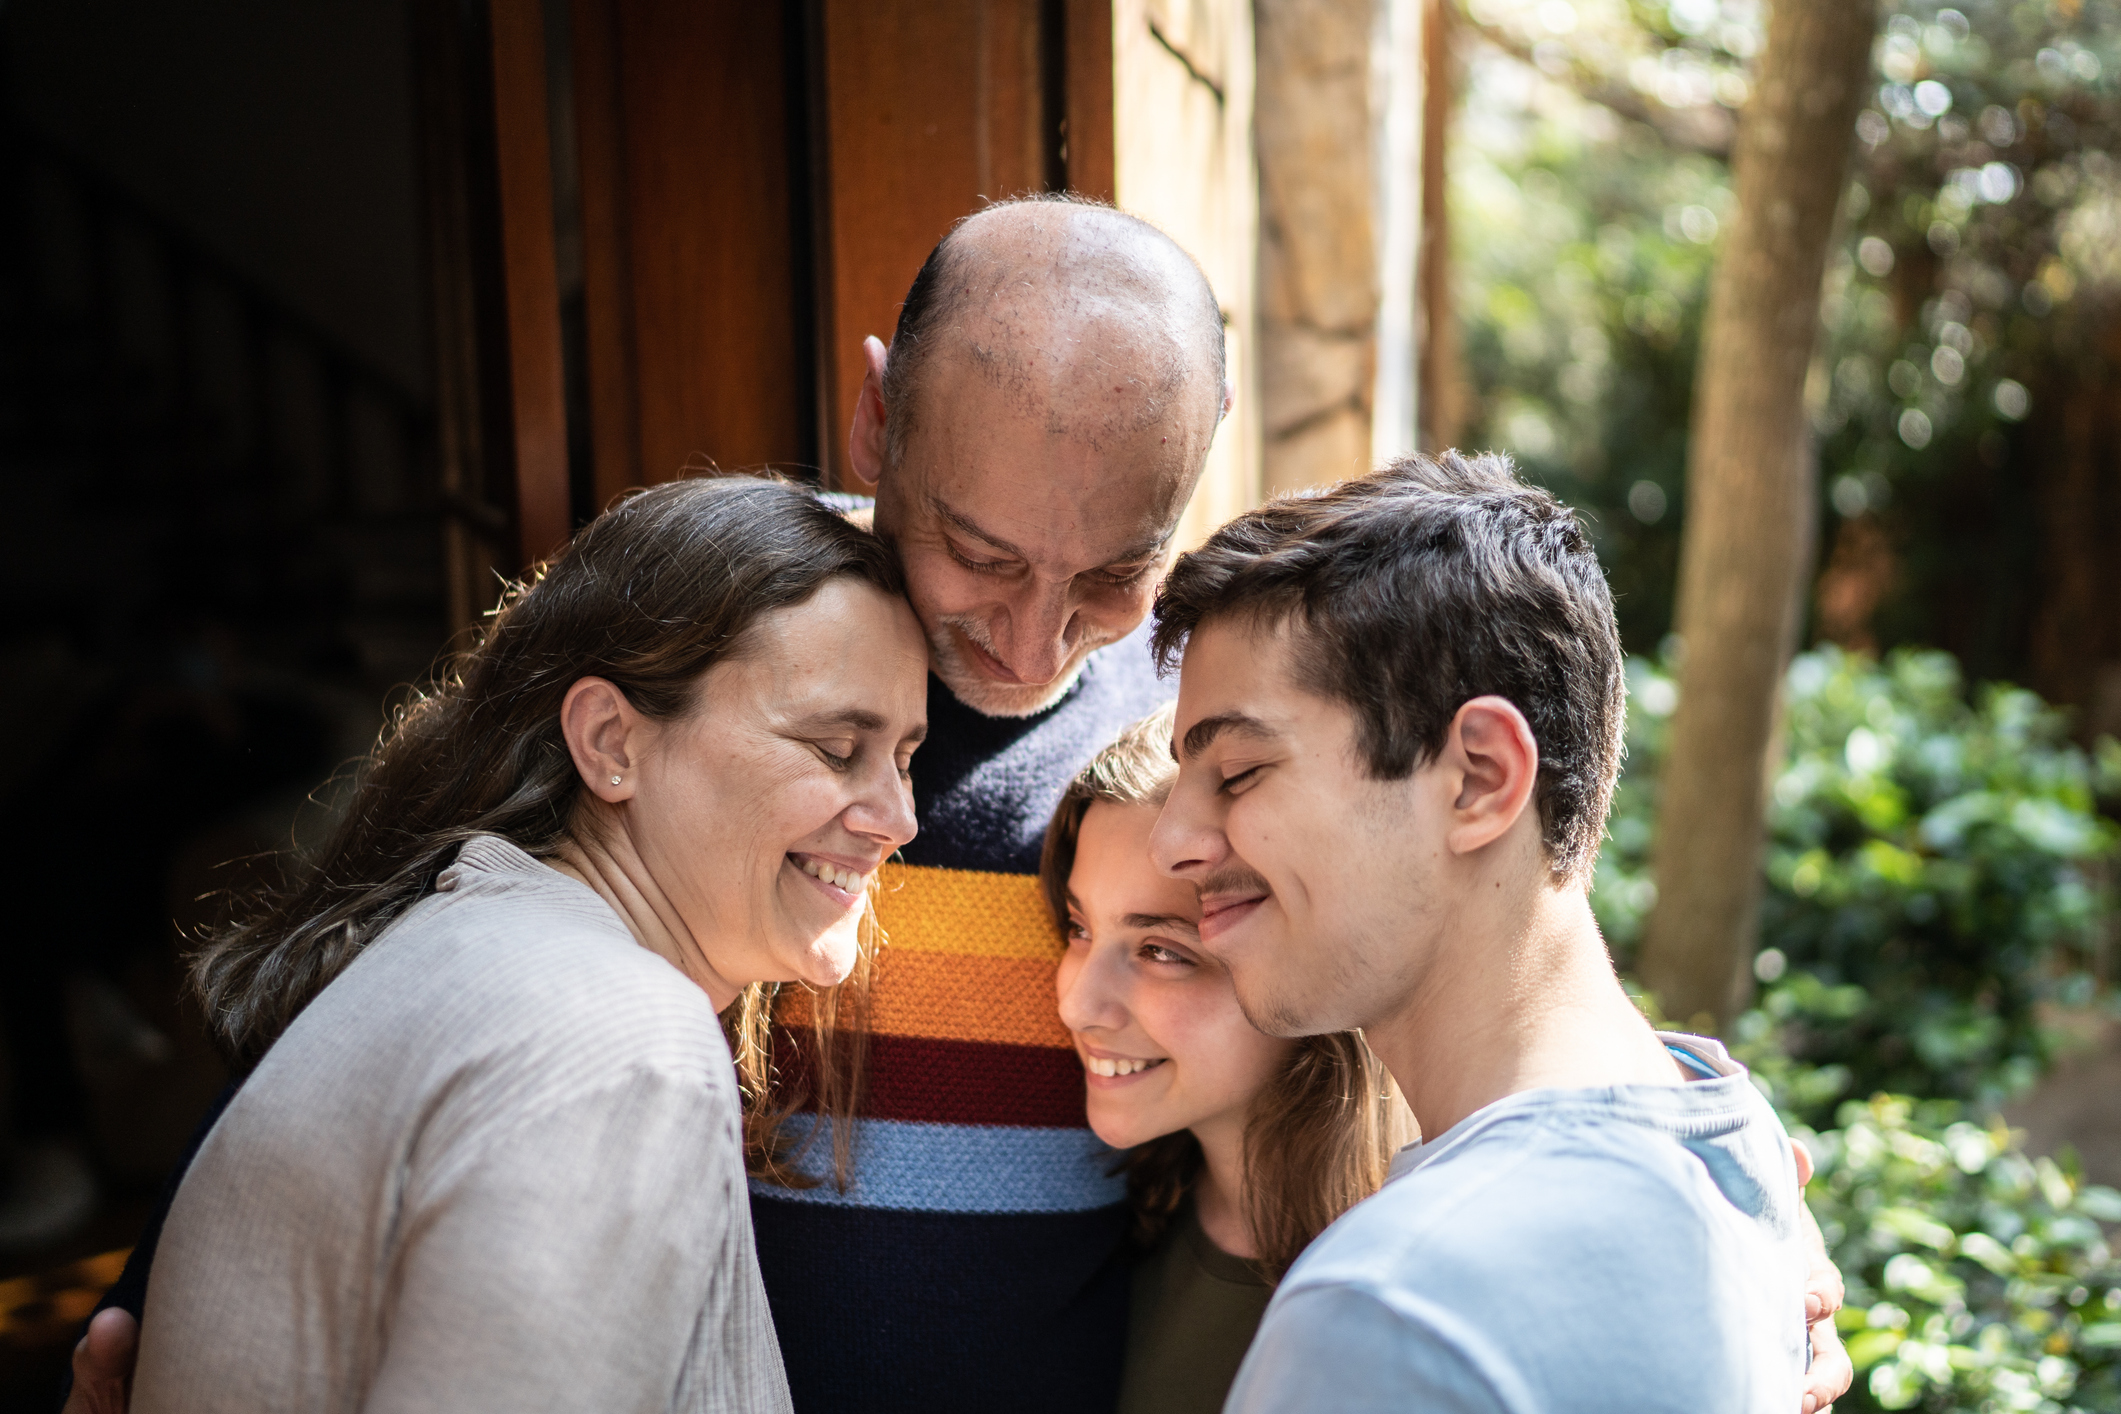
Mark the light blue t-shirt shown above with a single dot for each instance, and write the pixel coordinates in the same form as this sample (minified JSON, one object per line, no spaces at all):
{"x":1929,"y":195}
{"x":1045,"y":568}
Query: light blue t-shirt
{"x":1632,"y":1249}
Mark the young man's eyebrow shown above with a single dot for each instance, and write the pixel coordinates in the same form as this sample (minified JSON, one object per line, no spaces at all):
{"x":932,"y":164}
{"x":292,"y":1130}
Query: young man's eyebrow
{"x":1203,"y":733}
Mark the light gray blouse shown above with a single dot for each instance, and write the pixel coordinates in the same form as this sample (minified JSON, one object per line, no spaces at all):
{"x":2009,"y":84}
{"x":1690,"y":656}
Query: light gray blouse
{"x":494,"y":1166}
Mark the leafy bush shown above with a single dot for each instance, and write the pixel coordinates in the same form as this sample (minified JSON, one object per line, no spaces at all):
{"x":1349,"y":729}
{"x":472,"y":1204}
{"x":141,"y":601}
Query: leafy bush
{"x":1979,"y":1279}
{"x":1936,"y":868}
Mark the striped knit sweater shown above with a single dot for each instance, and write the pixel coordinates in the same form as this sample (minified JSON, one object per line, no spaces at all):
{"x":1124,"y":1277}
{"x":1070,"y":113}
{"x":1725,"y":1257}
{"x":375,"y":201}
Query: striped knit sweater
{"x":973,"y":1262}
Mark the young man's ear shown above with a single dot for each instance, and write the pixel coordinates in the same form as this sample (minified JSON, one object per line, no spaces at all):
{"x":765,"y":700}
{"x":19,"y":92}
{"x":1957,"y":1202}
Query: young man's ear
{"x":1494,"y":761}
{"x":865,"y":438}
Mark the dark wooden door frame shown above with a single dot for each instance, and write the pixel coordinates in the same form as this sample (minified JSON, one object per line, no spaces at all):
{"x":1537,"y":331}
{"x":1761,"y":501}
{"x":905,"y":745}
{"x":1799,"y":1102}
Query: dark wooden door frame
{"x":488,"y":147}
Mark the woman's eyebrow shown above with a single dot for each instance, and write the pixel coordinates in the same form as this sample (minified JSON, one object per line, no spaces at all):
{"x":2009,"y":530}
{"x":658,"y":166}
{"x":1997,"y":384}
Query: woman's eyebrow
{"x":859,"y":719}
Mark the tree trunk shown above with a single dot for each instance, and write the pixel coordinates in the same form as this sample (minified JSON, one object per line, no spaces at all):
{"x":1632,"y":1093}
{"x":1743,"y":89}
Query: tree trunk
{"x":1750,"y":504}
{"x":1441,"y":403}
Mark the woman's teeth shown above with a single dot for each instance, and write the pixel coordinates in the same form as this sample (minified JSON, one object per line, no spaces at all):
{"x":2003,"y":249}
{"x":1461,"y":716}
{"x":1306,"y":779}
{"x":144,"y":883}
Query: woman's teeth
{"x":846,"y":879}
{"x":1100,"y":1065}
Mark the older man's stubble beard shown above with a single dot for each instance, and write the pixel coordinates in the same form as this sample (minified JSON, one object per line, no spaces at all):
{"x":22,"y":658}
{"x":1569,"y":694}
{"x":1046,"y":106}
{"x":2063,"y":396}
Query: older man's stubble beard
{"x":1001,"y":699}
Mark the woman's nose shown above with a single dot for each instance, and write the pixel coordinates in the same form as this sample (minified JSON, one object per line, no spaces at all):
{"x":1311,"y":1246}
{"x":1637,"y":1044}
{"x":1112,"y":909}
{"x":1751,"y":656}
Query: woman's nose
{"x":1092,"y":995}
{"x":884,"y":809}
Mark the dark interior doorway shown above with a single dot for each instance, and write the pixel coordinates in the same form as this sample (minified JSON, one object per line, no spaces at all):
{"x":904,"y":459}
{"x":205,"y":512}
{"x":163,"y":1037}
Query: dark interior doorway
{"x":217,"y":458}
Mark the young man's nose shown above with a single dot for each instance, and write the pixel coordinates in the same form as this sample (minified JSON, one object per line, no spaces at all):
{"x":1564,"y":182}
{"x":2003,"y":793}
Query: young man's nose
{"x":1185,"y":842}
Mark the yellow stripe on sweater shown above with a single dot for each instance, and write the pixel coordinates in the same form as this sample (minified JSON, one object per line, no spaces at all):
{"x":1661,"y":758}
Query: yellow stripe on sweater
{"x":967,"y":913}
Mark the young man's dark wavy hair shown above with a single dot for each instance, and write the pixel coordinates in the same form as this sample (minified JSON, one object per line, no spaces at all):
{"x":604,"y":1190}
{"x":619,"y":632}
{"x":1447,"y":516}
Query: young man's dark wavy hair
{"x":1416,"y":588}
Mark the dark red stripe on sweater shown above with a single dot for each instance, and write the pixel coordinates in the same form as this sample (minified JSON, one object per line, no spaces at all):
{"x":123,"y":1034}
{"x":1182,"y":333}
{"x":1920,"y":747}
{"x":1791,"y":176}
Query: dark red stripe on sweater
{"x":955,"y":1082}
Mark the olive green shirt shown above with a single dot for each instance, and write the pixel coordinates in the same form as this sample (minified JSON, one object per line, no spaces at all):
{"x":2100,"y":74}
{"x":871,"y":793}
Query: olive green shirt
{"x":1194,"y":1310}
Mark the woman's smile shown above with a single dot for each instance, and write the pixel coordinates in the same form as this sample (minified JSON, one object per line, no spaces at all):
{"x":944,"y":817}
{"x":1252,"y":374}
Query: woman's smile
{"x":841,"y":880}
{"x":1109,"y":1072}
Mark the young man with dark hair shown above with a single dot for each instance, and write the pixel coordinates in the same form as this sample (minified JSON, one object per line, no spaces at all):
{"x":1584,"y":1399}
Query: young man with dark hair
{"x":1398,"y":728}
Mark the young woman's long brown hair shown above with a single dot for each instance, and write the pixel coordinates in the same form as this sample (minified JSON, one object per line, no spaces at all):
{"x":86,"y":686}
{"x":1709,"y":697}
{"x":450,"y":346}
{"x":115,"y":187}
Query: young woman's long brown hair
{"x":1322,"y":1132}
{"x":649,"y":595}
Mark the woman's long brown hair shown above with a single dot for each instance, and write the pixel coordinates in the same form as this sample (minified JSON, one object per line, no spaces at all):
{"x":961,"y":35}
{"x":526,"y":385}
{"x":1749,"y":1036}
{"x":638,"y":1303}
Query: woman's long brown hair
{"x":649,"y":596}
{"x":1321,"y":1133}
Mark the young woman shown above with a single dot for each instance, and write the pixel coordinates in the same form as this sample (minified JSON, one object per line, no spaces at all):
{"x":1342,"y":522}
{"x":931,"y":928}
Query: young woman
{"x":489,"y":1156}
{"x":1241,"y":1147}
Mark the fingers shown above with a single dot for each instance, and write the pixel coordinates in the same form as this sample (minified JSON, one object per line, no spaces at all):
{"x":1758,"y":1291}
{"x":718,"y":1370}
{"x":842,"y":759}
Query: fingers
{"x":103,"y":1364}
{"x":1823,"y":1288}
{"x":1831,"y":1373}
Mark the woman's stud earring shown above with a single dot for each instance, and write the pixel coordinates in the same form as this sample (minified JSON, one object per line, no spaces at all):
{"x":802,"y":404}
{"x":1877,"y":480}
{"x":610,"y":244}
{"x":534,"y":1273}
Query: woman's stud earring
{"x":614,"y":780}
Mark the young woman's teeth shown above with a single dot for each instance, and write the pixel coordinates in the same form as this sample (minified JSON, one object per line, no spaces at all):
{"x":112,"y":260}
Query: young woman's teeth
{"x":846,"y":879}
{"x":1100,"y":1065}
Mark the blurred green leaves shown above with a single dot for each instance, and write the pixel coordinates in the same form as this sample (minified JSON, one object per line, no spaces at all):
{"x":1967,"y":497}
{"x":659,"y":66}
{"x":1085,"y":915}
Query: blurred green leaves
{"x":1978,"y":1278}
{"x":1936,"y":869}
{"x":1980,"y":246}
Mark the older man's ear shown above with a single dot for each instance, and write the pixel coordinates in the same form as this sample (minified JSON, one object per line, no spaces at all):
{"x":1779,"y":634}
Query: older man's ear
{"x":865,"y":438}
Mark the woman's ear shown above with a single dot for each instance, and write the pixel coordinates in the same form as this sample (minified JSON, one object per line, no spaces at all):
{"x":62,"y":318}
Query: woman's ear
{"x":605,"y":735}
{"x":1491,"y":751}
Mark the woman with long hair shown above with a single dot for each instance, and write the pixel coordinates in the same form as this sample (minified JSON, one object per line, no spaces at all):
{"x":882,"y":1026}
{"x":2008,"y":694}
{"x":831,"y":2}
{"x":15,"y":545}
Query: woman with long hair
{"x":1240,"y":1147}
{"x":489,"y":1150}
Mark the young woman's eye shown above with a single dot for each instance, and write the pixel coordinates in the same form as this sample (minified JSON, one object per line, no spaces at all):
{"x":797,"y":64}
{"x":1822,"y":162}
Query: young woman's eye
{"x":1157,"y":952}
{"x":1076,"y":932}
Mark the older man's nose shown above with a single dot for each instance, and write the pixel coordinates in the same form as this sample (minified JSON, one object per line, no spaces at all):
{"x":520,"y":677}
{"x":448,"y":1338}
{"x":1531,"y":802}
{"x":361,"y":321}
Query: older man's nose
{"x":1038,"y":637}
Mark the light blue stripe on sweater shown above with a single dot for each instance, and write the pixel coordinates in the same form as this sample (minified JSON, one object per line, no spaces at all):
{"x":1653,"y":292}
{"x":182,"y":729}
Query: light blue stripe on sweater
{"x":959,"y":1168}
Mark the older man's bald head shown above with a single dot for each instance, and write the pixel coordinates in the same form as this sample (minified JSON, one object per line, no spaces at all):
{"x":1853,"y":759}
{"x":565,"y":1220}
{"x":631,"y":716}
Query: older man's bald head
{"x":1092,"y":319}
{"x":1034,"y":433}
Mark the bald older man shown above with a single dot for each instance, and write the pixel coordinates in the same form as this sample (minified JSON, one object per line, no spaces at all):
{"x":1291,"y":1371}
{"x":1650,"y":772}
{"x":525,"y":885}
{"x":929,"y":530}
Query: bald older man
{"x":1031,"y":436}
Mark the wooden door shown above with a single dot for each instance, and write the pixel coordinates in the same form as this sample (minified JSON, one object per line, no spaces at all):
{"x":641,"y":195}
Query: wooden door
{"x":749,"y":186}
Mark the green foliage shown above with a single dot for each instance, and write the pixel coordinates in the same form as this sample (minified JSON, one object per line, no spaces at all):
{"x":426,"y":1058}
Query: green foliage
{"x":1935,"y":869}
{"x":1979,"y":253}
{"x":1978,"y":1279}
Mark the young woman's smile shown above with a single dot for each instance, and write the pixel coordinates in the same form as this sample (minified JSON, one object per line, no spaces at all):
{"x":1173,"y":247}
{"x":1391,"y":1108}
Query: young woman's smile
{"x":1163,"y":1044}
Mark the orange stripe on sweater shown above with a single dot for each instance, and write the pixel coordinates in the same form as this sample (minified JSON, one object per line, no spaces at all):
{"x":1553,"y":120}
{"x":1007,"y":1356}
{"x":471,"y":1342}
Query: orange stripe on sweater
{"x":956,"y":998}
